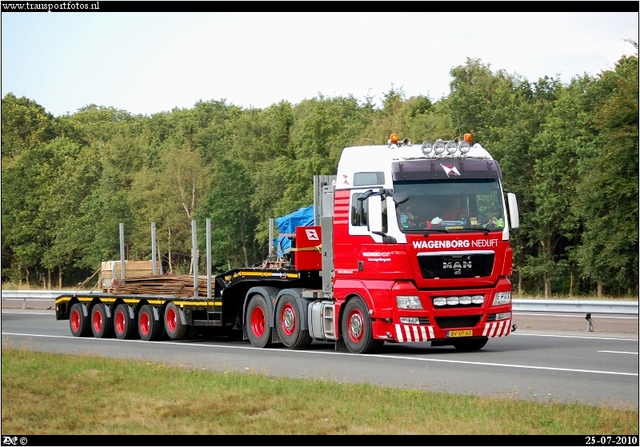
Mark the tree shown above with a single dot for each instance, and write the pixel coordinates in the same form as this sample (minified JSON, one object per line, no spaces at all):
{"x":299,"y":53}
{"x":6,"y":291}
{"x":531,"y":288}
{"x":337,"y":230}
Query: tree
{"x":232,"y":222}
{"x":607,"y":192}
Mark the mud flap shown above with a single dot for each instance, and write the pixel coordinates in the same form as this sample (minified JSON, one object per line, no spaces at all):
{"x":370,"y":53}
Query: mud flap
{"x":340,"y":346}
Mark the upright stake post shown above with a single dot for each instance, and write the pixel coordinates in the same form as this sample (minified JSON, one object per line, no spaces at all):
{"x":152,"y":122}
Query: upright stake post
{"x":153,"y":248}
{"x":194,"y":243}
{"x":122,"y":271}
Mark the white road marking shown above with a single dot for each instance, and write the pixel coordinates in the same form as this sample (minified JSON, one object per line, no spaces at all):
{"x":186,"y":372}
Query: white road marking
{"x":386,"y":357}
{"x":619,"y":352}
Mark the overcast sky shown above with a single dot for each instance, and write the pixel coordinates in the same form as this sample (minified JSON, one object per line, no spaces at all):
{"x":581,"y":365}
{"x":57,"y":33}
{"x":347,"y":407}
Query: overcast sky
{"x":145,"y":63}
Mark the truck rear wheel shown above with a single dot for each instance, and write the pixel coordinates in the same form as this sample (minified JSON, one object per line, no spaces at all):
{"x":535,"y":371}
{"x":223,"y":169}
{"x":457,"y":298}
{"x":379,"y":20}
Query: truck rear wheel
{"x":79,"y":323}
{"x":123,"y":326}
{"x":173,"y":324}
{"x":470,"y":345}
{"x":258,"y":329}
{"x":148,"y":327}
{"x":357,"y":330}
{"x":289,"y":324}
{"x":101,"y":326}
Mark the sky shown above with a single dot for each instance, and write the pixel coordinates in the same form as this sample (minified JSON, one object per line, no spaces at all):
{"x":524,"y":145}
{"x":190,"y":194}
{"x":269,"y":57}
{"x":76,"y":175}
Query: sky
{"x":150,"y":62}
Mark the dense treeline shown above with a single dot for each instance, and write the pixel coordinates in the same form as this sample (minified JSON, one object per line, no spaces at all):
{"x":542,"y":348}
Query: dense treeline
{"x":569,"y":152}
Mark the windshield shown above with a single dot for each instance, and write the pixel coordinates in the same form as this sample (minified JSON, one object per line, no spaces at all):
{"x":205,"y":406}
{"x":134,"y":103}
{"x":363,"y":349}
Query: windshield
{"x":445,"y":205}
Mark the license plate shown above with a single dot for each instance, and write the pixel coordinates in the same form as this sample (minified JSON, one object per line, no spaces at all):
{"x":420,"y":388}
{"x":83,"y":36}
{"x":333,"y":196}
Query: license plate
{"x":459,"y":334}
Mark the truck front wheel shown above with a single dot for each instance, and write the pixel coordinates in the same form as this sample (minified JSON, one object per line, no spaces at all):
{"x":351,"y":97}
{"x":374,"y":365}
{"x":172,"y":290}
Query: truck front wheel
{"x":258,"y":328}
{"x":357,"y":331}
{"x":289,"y":324}
{"x":79,"y":323}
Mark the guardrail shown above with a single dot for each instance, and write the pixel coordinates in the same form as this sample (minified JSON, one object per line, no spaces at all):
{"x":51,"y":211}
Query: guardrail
{"x":519,"y":304}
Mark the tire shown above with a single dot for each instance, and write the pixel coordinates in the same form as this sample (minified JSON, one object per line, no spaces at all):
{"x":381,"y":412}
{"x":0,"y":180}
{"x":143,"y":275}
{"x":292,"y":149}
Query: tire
{"x":258,"y":328}
{"x":101,"y":325}
{"x":357,"y":330}
{"x":475,"y":344}
{"x":288,"y":323}
{"x":173,"y":324}
{"x":79,"y":324}
{"x":149,"y":328}
{"x":123,"y":326}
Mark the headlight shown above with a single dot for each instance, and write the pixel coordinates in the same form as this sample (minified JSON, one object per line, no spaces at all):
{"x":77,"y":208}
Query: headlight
{"x":408,"y":302}
{"x":502,"y":298}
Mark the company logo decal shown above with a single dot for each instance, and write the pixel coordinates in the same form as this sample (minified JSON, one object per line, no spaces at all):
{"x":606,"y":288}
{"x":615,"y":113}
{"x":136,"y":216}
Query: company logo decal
{"x":456,"y":243}
{"x":344,"y":178}
{"x":450,"y":170}
{"x":312,"y":235}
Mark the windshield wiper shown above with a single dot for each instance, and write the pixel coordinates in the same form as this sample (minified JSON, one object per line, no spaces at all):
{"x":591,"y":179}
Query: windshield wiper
{"x":426,"y":233}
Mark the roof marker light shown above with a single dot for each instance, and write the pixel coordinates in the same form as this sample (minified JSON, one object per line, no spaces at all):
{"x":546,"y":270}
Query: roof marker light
{"x":393,"y":139}
{"x":468,"y":138}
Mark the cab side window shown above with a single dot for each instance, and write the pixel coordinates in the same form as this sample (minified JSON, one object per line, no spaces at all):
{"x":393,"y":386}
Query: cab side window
{"x":359,"y":214}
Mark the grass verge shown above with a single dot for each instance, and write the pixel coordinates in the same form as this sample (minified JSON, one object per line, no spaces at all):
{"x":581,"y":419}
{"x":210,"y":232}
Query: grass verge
{"x":56,"y":394}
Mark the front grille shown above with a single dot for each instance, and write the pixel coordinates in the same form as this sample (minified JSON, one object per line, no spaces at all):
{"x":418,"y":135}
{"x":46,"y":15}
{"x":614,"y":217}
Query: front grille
{"x":457,"y":322}
{"x":456,"y":266}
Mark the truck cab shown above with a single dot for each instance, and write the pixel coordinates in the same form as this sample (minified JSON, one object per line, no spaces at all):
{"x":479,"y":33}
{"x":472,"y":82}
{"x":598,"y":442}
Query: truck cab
{"x":416,"y":270}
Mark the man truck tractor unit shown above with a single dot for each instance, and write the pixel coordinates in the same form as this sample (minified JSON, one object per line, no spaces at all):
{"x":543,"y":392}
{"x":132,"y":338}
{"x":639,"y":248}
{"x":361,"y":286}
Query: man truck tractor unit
{"x":387,"y":259}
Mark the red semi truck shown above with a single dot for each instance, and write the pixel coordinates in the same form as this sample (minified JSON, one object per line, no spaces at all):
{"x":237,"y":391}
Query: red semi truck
{"x":410,"y":243}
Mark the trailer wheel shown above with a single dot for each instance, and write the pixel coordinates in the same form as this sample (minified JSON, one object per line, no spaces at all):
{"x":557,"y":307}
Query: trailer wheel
{"x":471,"y":345}
{"x":173,"y":324}
{"x":258,"y":328}
{"x":357,"y":331}
{"x":288,"y":324}
{"x":148,"y":327}
{"x":101,"y":326}
{"x":123,"y":326}
{"x":79,"y":324}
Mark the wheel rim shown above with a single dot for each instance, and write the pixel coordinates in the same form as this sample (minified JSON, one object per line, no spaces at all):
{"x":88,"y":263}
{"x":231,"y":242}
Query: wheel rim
{"x":288,"y":320}
{"x":258,"y":321}
{"x":171,"y":320}
{"x":356,"y":326}
{"x":144,"y":323}
{"x":97,"y":321}
{"x":120,"y":322}
{"x":75,"y":320}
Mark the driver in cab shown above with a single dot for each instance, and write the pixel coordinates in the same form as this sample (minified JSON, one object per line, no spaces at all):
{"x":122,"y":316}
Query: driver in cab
{"x":454,"y":211}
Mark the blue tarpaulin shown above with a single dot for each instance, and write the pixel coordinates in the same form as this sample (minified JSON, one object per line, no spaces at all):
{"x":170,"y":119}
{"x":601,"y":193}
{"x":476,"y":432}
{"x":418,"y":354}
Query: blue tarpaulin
{"x":304,"y":217}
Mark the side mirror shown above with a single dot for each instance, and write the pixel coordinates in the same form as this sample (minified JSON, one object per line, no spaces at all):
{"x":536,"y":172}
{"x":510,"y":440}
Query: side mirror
{"x":400,"y":197}
{"x":374,"y":223}
{"x":512,"y":203}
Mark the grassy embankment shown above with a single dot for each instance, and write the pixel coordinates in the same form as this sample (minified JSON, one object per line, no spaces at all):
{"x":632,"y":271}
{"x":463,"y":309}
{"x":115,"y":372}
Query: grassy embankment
{"x":60,"y":394}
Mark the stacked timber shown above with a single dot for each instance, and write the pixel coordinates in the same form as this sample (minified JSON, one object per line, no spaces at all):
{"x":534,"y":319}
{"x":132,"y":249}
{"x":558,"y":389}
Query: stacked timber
{"x":161,"y":285}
